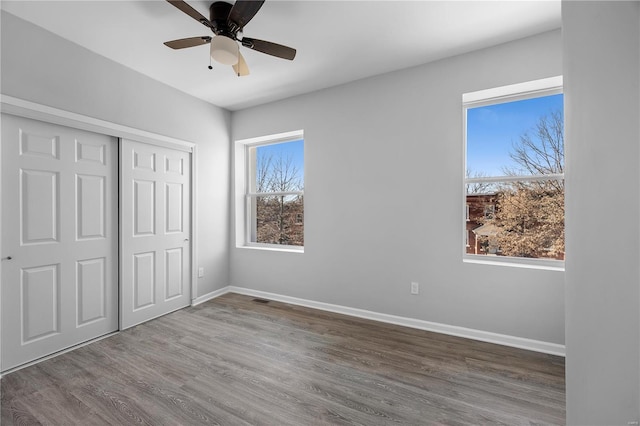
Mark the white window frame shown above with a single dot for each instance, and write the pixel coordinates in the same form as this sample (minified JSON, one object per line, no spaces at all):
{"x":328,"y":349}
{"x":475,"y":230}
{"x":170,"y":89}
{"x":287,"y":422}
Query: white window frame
{"x":504,"y":94}
{"x":245,"y":190}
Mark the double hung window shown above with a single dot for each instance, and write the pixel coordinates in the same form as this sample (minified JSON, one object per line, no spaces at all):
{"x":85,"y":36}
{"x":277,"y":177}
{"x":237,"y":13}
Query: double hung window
{"x":273,"y":198}
{"x":514,"y":174}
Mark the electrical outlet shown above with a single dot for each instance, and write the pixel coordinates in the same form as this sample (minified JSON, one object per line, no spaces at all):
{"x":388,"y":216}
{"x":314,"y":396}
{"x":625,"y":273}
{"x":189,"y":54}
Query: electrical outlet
{"x":200,"y":272}
{"x":415,"y":288}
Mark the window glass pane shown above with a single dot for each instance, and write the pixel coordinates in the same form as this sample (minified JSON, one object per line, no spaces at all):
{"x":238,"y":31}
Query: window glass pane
{"x":516,"y":138}
{"x":509,"y":216}
{"x":279,"y":167}
{"x":521,"y":219}
{"x":279,"y":219}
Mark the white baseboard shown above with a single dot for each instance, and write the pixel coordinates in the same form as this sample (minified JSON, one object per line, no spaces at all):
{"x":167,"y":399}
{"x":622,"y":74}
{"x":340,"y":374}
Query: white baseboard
{"x":209,"y":296}
{"x":469,"y":333}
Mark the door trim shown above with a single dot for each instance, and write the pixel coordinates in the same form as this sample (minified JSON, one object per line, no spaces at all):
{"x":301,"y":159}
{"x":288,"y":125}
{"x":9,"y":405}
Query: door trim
{"x":27,"y":109}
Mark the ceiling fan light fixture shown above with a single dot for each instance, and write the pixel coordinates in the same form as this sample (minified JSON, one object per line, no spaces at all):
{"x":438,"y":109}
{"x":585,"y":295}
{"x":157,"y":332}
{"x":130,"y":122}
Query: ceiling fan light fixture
{"x":224,"y":50}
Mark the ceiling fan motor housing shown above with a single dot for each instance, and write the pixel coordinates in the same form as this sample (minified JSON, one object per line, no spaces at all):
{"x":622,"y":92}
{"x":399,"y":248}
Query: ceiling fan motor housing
{"x":219,"y":15}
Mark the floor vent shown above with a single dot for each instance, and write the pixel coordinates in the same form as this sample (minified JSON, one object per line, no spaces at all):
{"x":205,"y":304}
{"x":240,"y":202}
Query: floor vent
{"x":261,"y":300}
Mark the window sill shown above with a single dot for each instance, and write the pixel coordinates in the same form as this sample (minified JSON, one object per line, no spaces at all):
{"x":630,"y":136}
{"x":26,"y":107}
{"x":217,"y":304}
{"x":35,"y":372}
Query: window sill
{"x":515,"y":262}
{"x":267,"y":247}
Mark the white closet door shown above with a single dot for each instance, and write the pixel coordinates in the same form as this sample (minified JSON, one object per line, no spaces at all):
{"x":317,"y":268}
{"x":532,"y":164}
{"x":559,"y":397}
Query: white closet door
{"x":155,"y":224}
{"x":59,"y":238}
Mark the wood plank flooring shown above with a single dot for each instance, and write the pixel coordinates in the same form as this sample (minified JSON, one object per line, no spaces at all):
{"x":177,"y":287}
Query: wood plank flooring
{"x":234,"y":361}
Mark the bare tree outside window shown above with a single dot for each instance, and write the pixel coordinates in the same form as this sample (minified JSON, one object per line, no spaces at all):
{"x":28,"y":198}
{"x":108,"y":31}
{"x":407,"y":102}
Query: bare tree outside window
{"x":280,"y":200}
{"x":478,"y":187}
{"x":529,"y":214}
{"x":540,"y":151}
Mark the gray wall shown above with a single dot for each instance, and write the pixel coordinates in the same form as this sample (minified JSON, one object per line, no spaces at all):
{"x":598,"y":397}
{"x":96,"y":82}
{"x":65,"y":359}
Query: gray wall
{"x":383,"y":198}
{"x":602,"y":87}
{"x":41,"y":67}
{"x":383,"y":181}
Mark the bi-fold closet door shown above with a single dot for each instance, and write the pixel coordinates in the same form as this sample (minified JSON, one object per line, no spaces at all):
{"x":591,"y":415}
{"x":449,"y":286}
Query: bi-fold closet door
{"x":64,"y":279}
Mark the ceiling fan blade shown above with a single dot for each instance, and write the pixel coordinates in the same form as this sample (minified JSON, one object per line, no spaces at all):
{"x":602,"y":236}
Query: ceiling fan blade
{"x":241,"y":68}
{"x":269,"y":48}
{"x":243,"y":11}
{"x":180,"y":4}
{"x":187,"y":42}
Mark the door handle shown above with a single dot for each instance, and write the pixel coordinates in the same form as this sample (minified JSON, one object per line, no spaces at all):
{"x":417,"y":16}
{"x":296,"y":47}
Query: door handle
{"x":186,"y":240}
{"x":7,"y":258}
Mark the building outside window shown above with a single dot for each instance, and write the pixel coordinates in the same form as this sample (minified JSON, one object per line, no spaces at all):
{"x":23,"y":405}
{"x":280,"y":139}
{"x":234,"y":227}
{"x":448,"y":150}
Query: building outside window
{"x":514,"y":173}
{"x":489,"y":211}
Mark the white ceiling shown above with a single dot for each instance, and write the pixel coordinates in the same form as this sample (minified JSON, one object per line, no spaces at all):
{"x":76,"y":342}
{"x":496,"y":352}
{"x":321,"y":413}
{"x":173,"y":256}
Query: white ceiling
{"x":337,"y":41}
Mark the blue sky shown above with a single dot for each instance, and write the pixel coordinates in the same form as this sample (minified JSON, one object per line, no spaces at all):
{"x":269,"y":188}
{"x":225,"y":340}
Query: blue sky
{"x":294,"y":149}
{"x":492,"y":129}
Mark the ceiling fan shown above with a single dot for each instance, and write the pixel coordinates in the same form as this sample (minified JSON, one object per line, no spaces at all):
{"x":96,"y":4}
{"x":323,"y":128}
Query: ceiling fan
{"x":226,"y":21}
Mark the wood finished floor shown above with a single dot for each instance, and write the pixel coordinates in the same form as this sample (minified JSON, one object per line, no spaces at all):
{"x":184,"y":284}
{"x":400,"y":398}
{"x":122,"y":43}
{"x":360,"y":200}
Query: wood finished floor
{"x":234,"y":361}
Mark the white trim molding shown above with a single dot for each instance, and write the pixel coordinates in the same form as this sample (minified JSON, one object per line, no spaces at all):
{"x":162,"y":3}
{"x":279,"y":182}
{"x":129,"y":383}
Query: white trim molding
{"x":452,"y":330}
{"x":512,"y":92}
{"x":211,"y":295}
{"x":35,"y":111}
{"x":278,"y":137}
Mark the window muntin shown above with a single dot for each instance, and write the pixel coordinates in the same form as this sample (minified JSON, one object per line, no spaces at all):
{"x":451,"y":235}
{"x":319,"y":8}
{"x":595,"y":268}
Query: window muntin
{"x":514,"y":191}
{"x":274,"y":197}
